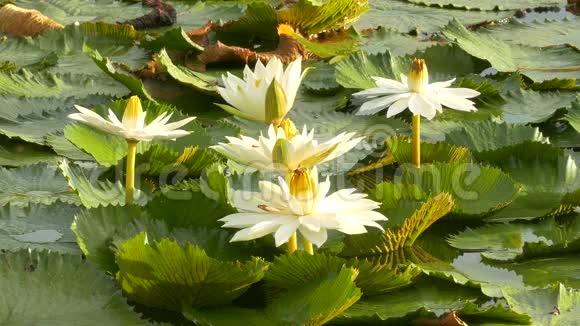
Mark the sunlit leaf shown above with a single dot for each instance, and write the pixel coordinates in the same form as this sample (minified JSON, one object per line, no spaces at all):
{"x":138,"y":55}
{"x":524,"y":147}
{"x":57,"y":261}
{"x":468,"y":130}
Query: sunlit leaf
{"x":340,"y":43}
{"x":319,"y":301}
{"x":172,"y":276}
{"x":291,"y":271}
{"x":403,"y":236}
{"x":315,"y":16}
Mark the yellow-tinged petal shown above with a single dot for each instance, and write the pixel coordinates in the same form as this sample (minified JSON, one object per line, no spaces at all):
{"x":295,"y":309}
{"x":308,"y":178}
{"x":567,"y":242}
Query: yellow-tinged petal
{"x":304,"y":188}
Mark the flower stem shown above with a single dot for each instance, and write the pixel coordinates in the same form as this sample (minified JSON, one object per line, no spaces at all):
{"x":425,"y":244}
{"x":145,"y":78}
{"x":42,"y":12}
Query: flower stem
{"x":416,"y":140}
{"x":130,"y":179}
{"x":292,"y":243}
{"x":307,"y":246}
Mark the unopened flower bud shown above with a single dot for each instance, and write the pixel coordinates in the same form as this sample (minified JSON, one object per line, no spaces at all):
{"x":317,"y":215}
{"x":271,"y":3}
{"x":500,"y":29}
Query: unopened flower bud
{"x":276,"y":103}
{"x":289,"y":128}
{"x":280,"y":154}
{"x":133,"y":114}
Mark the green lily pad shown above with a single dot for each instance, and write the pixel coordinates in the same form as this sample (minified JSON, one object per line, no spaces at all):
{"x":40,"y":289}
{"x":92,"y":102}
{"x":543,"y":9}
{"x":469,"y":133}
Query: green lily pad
{"x":53,"y":288}
{"x":40,"y":184}
{"x":537,"y":33}
{"x":554,"y":305}
{"x":491,"y":4}
{"x":539,"y":64}
{"x":38,"y":226}
{"x":405,"y":16}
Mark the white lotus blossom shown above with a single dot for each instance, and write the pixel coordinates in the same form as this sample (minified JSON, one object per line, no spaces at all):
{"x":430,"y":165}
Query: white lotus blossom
{"x":415,"y":93}
{"x":132,"y":126}
{"x":304,"y":207}
{"x":247,"y":97}
{"x":285,"y":151}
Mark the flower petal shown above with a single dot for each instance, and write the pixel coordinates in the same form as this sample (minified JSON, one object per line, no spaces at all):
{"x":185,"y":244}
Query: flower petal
{"x":418,"y":105}
{"x":379,"y":91}
{"x":443,"y":84}
{"x":457,"y":103}
{"x":378,"y":104}
{"x":317,"y":238}
{"x":285,"y":231}
{"x":390,"y":83}
{"x":243,"y":220}
{"x":398,"y":107}
{"x":257,"y":231}
{"x":458,"y":92}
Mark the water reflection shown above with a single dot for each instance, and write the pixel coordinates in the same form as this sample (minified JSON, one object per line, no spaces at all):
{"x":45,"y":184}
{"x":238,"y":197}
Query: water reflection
{"x":471,"y":265}
{"x":532,"y":273}
{"x":553,"y":13}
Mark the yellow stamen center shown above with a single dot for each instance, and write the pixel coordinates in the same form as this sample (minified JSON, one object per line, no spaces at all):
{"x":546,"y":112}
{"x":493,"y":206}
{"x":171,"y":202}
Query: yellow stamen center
{"x":133,"y":113}
{"x":418,"y":76}
{"x":304,"y":188}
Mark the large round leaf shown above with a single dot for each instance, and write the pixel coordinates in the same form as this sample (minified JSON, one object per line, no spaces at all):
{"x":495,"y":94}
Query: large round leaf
{"x":47,"y":288}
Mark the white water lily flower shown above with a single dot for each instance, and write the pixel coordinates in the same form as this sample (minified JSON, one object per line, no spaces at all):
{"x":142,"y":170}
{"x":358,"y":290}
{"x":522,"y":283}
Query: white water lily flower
{"x":132,"y":126}
{"x":303,"y":206}
{"x":283,"y":151}
{"x":247,"y":97}
{"x":415,"y":93}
